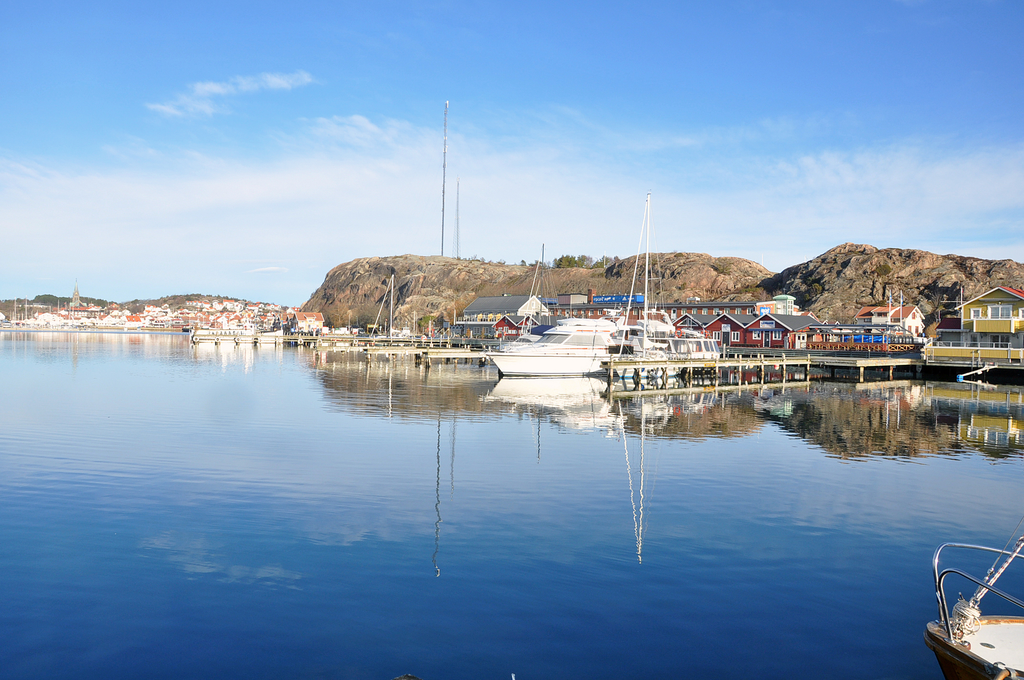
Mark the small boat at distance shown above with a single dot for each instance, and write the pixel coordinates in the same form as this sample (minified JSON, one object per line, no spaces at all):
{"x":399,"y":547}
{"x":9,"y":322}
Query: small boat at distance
{"x":970,"y":646}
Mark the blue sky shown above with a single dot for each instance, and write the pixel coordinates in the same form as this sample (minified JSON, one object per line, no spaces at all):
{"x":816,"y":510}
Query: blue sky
{"x":246,"y":148}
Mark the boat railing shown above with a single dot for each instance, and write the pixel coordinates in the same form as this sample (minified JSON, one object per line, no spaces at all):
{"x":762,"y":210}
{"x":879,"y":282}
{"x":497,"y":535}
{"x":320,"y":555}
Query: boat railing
{"x":940,"y":577}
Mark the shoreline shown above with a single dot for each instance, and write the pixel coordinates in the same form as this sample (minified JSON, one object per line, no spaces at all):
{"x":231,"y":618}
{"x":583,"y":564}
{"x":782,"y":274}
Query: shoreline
{"x":106,"y":331}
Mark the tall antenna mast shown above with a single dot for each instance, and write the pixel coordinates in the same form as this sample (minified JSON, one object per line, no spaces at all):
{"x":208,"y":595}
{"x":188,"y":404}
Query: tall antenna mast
{"x":444,"y":172}
{"x":458,"y":253}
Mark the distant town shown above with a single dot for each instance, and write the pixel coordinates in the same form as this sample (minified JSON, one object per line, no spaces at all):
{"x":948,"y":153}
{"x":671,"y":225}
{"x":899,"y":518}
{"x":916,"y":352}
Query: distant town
{"x":182,"y":313}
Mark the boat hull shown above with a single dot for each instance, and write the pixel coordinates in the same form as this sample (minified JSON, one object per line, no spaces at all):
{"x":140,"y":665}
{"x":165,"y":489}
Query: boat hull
{"x":547,"y":364}
{"x":960,"y":663}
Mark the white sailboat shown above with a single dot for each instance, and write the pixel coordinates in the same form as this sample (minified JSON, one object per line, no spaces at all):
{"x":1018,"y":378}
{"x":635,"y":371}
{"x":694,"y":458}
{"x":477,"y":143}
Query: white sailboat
{"x":653,"y":336}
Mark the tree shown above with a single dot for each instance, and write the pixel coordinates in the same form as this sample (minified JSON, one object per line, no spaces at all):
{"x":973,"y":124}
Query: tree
{"x":569,"y":261}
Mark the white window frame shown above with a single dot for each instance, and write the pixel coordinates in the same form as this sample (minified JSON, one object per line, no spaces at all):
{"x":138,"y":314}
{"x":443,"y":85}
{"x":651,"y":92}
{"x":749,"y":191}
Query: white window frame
{"x":776,"y":335}
{"x":717,"y":335}
{"x":976,"y":312}
{"x":756,"y":335}
{"x":1000,"y":311}
{"x":735,"y":336}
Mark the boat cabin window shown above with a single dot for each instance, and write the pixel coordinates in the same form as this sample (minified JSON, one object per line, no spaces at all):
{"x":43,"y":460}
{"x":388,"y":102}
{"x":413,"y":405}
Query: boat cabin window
{"x":586,"y":340}
{"x":552,"y":339}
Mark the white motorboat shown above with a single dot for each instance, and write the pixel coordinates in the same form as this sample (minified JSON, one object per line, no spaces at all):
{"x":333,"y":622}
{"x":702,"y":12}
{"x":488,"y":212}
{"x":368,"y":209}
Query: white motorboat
{"x":970,"y":646}
{"x":574,"y":347}
{"x":694,"y":346}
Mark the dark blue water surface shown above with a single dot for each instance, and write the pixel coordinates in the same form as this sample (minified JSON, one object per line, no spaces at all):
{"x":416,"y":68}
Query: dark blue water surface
{"x":222,"y":512}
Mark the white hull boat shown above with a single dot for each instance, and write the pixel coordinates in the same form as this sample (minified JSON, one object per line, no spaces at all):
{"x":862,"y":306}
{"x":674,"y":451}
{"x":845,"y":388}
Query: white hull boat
{"x":576,"y":347}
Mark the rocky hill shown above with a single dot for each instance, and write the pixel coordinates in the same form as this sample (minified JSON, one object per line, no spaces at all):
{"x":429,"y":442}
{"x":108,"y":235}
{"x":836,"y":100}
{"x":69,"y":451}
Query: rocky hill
{"x":833,"y":285}
{"x":837,"y":283}
{"x":440,"y":286}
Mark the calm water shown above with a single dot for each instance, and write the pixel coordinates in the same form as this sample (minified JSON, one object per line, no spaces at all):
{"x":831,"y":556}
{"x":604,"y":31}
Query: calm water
{"x":169,"y":512}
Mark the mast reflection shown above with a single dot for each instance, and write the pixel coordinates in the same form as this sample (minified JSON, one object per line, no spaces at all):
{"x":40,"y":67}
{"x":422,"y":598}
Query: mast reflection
{"x":638,"y":514}
{"x":895,"y":419}
{"x":437,"y":502}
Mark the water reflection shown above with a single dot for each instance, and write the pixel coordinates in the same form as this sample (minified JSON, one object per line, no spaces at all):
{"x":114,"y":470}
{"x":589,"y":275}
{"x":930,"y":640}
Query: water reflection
{"x":280,"y":494}
{"x":572,"y":403}
{"x":638,"y":513}
{"x":437,"y":501}
{"x":896,"y":419}
{"x":397,"y":388}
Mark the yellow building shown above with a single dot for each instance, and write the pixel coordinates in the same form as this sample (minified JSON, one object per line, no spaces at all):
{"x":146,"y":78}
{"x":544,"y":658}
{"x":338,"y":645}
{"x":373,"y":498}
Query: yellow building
{"x":990,"y":328}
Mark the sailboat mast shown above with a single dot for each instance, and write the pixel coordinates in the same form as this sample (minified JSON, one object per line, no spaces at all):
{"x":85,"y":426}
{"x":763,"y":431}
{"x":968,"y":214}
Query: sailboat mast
{"x":391,"y":314}
{"x":536,"y":270}
{"x":647,"y":271}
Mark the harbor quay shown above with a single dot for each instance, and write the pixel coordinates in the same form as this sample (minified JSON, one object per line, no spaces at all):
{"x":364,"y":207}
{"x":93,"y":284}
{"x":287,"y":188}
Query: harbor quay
{"x":739,"y":365}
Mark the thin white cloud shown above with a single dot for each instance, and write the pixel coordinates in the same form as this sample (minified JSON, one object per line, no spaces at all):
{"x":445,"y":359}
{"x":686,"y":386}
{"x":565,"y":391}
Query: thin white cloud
{"x":206,"y":98}
{"x":355,"y":187}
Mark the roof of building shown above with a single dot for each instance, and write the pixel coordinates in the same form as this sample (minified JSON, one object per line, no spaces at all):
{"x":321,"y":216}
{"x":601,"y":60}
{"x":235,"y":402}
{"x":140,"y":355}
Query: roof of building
{"x":1012,"y":291}
{"x":950,"y":323}
{"x":905,"y":310}
{"x":309,"y":316}
{"x":794,"y":322}
{"x":742,"y":319}
{"x":515,"y":319}
{"x":700,"y":319}
{"x":497,"y":304}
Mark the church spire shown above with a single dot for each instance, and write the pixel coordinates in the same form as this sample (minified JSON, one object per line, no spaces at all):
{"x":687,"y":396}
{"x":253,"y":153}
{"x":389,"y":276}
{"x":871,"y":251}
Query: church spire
{"x":75,"y":300}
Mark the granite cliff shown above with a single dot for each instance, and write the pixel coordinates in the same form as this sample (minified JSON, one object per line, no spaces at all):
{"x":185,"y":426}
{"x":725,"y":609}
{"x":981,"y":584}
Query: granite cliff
{"x":440,"y":286}
{"x":833,"y":285}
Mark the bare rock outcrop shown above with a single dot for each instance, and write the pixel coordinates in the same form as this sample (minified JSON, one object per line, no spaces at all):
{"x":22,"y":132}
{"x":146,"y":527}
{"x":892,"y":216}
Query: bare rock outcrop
{"x":837,"y":283}
{"x":833,"y":285}
{"x":677,"y":276}
{"x":440,"y":287}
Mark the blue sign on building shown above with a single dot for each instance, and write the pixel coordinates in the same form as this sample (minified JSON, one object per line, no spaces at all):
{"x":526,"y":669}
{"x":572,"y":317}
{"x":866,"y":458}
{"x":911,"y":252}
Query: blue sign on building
{"x":617,"y":299}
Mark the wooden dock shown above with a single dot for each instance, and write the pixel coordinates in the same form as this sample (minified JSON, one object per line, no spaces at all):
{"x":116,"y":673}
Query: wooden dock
{"x":626,"y":376}
{"x":634,"y":374}
{"x":424,"y":351}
